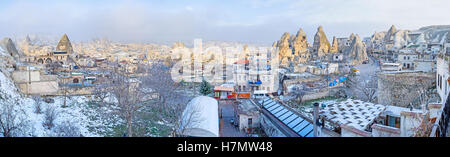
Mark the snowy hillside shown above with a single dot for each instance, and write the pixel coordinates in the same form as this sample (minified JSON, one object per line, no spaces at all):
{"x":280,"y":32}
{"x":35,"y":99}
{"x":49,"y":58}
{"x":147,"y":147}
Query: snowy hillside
{"x":435,"y":34}
{"x":77,"y":119}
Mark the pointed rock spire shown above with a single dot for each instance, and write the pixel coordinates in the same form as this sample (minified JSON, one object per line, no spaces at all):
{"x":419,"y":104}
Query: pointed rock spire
{"x":390,"y":34}
{"x":335,"y":46}
{"x":9,"y":46}
{"x":321,"y":45}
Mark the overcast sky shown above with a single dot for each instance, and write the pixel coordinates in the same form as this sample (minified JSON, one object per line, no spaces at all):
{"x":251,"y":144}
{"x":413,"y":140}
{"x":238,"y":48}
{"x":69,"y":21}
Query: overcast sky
{"x":227,"y":20}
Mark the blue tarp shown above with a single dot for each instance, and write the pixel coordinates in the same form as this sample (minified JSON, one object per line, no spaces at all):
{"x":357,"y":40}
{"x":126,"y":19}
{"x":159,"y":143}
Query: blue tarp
{"x":336,"y":81}
{"x":257,"y":82}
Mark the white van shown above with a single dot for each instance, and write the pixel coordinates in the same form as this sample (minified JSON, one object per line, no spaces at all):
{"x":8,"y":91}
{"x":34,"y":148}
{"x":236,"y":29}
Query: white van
{"x":259,"y":94}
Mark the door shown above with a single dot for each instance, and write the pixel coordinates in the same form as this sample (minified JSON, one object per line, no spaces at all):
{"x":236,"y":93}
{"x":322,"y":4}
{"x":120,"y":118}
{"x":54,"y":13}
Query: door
{"x":223,"y":95}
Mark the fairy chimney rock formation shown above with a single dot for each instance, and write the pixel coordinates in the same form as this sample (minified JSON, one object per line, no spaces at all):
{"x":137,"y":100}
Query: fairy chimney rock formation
{"x":390,"y":34}
{"x":357,"y":52}
{"x":285,"y":51}
{"x":321,"y":45}
{"x":335,"y":46}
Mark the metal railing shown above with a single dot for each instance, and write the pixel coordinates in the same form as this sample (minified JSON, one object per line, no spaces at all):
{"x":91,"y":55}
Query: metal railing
{"x":441,"y":124}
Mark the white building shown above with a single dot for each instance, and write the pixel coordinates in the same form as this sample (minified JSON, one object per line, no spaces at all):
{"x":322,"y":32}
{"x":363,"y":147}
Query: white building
{"x":391,"y":67}
{"x":406,"y":58}
{"x":200,"y":118}
{"x":442,"y":76}
{"x":255,"y":72}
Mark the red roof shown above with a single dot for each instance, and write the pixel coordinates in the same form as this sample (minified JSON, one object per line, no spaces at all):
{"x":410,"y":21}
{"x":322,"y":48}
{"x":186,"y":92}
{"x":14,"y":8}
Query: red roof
{"x":242,"y":62}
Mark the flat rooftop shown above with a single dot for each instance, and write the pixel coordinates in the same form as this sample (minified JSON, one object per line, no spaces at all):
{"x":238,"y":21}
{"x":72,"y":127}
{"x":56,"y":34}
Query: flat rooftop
{"x":355,"y":113}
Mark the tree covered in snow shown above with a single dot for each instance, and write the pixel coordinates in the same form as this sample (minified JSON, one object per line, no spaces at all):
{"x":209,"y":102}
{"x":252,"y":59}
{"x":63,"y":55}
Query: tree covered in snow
{"x":11,"y":117}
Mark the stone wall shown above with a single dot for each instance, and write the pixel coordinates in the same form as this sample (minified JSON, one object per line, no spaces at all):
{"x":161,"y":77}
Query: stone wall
{"x":401,"y":88}
{"x":243,"y":121}
{"x":269,"y":128}
{"x":25,"y":76}
{"x":40,"y":88}
{"x":379,"y":130}
{"x":410,"y":122}
{"x":349,"y":131}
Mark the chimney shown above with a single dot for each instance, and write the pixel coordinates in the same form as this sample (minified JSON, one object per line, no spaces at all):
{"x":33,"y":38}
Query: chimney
{"x":316,"y":119}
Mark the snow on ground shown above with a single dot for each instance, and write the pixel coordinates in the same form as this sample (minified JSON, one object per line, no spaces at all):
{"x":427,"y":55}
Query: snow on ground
{"x":76,"y":113}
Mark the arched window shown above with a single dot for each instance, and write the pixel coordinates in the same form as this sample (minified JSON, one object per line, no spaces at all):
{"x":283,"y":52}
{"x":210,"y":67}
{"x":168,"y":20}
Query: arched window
{"x":41,"y":61}
{"x":76,"y":80}
{"x":48,"y":61}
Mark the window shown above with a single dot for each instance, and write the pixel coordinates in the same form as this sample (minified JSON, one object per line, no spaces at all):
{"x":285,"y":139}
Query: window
{"x":446,"y":86}
{"x":216,"y":94}
{"x":250,"y":122}
{"x":438,"y":79}
{"x":393,"y":121}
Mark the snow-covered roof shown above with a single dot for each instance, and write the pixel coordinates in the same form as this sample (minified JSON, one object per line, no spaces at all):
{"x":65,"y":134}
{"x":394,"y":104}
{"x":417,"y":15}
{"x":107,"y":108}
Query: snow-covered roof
{"x":223,"y":88}
{"x":395,"y":110}
{"x":305,"y":74}
{"x":260,"y":92}
{"x":351,"y":112}
{"x":200,"y":118}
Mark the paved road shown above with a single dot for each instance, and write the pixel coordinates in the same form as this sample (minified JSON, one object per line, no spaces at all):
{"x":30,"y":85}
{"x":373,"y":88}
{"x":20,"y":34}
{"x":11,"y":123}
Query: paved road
{"x":368,"y":70}
{"x":227,"y":129}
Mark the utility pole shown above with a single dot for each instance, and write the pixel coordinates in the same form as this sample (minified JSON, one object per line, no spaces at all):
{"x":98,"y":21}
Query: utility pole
{"x":29,"y":80}
{"x":65,"y":93}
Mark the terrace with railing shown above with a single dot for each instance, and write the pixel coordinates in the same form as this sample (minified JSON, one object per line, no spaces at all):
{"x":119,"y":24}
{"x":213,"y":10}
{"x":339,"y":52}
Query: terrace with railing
{"x":440,"y":126}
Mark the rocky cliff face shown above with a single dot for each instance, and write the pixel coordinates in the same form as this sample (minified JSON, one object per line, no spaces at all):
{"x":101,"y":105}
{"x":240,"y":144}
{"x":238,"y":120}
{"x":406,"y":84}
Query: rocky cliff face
{"x":335,"y":46}
{"x":285,"y":52}
{"x":390,"y":34}
{"x":7,"y":61}
{"x":357,"y":51}
{"x":293,"y":49}
{"x":9,"y":46}
{"x":65,"y":45}
{"x":178,"y":45}
{"x":321,"y":45}
{"x":377,"y":37}
{"x":401,"y":38}
{"x":436,"y":33}
{"x":300,"y":46}
{"x":392,"y":39}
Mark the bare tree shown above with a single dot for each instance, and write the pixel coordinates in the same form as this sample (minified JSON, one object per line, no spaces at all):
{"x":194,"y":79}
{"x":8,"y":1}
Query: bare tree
{"x":189,"y":119}
{"x":101,"y":91}
{"x":50,"y":115}
{"x":37,"y":104}
{"x":128,"y":93}
{"x":67,"y":129}
{"x":368,"y":88}
{"x":170,"y":103}
{"x":298,"y":94}
{"x":53,"y":67}
{"x":9,"y":117}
